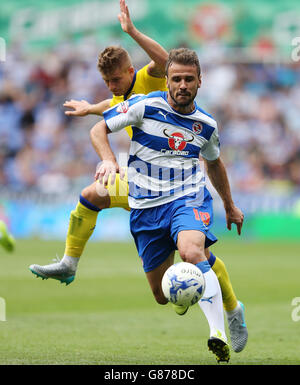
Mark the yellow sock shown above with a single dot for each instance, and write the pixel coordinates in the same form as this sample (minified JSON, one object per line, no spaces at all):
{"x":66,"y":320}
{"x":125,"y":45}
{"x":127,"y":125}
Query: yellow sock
{"x":229,"y":298}
{"x":81,"y":227}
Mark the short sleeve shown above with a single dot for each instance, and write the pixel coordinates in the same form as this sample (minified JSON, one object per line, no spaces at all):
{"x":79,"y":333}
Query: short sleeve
{"x":211,"y":150}
{"x":127,"y":113}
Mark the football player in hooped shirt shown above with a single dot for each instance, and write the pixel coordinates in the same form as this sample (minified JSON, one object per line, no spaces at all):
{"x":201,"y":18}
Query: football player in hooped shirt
{"x":124,"y":81}
{"x":167,"y":192}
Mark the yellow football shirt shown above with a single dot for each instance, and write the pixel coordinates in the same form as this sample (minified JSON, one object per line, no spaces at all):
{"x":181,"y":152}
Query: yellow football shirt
{"x":142,"y":83}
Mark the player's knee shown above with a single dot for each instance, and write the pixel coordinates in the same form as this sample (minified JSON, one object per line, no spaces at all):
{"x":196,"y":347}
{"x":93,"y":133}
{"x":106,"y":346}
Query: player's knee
{"x":192,"y":254}
{"x":87,"y":194}
{"x":97,"y":195}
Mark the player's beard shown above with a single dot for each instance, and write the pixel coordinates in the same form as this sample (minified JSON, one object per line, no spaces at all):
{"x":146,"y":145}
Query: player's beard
{"x":188,"y":101}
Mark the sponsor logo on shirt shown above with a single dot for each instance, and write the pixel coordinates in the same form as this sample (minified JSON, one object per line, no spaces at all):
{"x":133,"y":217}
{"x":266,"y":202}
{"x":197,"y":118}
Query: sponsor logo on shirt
{"x":123,"y":107}
{"x":177,"y":142}
{"x":197,"y":128}
{"x":164,"y":115}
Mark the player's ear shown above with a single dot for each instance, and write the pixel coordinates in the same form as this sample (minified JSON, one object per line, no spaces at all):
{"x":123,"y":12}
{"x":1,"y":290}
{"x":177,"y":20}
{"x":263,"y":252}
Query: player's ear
{"x":199,"y":81}
{"x":131,"y":70}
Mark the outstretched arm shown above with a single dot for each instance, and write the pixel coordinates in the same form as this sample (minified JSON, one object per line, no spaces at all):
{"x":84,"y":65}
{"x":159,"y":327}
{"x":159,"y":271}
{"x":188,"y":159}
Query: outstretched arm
{"x":83,"y":108}
{"x":218,"y":177}
{"x":154,"y":50}
{"x":109,"y":166}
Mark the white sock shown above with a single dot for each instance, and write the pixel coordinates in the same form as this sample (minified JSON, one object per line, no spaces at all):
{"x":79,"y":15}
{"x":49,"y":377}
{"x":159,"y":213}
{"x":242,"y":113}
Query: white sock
{"x":212,"y":304}
{"x":72,"y":262}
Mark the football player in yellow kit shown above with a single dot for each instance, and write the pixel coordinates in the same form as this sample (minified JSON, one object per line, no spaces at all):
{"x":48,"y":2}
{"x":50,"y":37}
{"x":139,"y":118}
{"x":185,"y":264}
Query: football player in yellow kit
{"x":7,"y":241}
{"x":121,"y":78}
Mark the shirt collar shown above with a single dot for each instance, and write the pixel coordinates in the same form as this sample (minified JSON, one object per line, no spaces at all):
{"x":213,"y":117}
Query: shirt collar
{"x":131,"y":87}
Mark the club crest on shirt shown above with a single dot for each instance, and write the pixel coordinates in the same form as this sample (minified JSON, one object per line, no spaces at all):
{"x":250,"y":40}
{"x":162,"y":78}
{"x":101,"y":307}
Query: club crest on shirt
{"x":197,"y":128}
{"x":123,"y":107}
{"x":177,"y":141}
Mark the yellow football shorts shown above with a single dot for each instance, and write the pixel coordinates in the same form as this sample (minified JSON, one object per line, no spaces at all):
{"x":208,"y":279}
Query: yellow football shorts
{"x":118,"y":192}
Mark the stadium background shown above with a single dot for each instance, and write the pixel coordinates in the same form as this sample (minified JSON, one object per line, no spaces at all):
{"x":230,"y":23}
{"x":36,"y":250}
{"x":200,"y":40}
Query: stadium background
{"x":250,"y":84}
{"x":250,"y":68}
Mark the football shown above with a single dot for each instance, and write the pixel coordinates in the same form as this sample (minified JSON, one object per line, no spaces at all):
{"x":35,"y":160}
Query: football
{"x":183,"y":284}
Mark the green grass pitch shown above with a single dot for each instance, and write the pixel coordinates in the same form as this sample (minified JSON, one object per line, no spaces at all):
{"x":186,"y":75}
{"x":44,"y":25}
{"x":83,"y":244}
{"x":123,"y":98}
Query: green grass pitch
{"x":108,"y":316}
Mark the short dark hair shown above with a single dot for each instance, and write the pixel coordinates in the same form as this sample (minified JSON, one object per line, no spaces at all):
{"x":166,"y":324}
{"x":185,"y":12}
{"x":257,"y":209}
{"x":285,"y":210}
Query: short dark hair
{"x":183,"y":56}
{"x":113,"y":58}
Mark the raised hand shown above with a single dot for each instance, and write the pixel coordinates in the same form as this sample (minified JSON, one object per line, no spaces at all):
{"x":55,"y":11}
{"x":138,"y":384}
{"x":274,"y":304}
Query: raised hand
{"x":124,"y":17}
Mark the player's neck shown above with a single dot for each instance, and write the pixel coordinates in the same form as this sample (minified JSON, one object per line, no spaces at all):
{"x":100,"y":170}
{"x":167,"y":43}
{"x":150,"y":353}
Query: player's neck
{"x":187,"y":109}
{"x":130,"y":87}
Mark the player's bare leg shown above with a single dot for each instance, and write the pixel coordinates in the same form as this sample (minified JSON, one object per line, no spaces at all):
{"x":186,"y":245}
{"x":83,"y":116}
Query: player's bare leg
{"x":97,"y":194}
{"x":155,"y":276}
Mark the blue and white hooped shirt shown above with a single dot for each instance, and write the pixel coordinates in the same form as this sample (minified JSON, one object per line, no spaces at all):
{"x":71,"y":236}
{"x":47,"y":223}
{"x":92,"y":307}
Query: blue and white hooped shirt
{"x":164,"y":154}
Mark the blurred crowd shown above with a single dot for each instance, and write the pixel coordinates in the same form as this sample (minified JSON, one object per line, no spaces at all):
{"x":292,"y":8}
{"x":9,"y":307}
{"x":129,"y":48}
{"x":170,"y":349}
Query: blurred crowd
{"x":257,"y":107}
